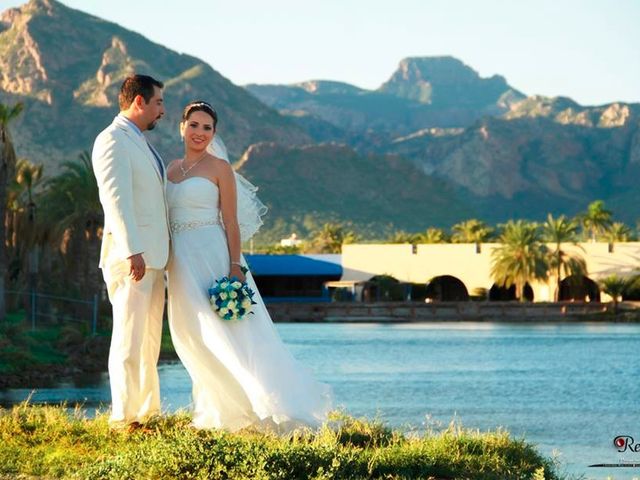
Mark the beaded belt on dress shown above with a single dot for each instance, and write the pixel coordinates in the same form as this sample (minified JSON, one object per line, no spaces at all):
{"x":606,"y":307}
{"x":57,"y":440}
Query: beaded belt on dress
{"x":181,"y":226}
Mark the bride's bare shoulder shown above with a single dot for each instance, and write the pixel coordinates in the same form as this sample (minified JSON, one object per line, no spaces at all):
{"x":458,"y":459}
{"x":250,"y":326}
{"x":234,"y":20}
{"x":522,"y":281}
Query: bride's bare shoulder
{"x":219,"y":163}
{"x":217,"y":159}
{"x":173,"y":163}
{"x":218,"y":168}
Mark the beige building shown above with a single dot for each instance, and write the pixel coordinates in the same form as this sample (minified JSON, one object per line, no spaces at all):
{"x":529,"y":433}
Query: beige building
{"x":447,"y":268}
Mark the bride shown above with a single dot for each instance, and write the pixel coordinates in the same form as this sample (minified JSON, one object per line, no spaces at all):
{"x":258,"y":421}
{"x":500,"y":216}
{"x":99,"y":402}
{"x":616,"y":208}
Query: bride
{"x":241,"y":371}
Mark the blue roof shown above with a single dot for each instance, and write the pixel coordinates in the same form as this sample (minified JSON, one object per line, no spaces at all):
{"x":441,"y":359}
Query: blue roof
{"x":285,"y":265}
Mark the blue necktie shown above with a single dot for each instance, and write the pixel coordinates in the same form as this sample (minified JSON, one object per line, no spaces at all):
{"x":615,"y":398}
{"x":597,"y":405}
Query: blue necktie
{"x":157,"y":157}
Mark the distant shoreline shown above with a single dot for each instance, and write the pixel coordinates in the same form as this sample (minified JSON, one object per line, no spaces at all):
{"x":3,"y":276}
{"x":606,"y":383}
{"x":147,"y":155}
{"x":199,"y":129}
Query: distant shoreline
{"x":404,"y":312}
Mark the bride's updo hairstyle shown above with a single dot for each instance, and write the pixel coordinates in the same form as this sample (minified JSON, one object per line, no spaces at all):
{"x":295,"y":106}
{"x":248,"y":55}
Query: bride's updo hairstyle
{"x":200,"y":106}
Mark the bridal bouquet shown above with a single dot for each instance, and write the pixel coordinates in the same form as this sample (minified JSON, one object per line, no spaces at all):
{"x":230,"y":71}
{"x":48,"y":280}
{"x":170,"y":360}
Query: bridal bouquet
{"x":231,"y":299}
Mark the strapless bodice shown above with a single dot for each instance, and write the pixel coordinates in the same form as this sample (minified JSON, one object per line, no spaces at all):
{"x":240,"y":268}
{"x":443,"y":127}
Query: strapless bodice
{"x":193,"y":200}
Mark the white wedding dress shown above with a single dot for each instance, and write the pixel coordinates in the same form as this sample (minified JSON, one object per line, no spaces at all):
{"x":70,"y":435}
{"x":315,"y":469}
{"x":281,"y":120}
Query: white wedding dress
{"x":242,"y":373}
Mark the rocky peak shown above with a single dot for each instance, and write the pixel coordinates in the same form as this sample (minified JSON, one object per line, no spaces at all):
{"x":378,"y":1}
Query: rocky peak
{"x":567,"y":112}
{"x":47,"y":7}
{"x":8,"y":17}
{"x":541,"y":106}
{"x":34,"y":8}
{"x":48,"y":44}
{"x":19,"y":47}
{"x":327,"y":87}
{"x":67,"y":66}
{"x":614,"y":115}
{"x":116,"y":65}
{"x":435,"y":70}
{"x":446,"y":81}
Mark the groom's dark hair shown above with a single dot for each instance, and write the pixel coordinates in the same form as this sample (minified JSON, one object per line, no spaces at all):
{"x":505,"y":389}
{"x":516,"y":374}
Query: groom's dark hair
{"x":137,"y":85}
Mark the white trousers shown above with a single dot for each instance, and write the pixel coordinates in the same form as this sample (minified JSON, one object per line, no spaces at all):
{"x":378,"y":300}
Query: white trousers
{"x":135,"y":342}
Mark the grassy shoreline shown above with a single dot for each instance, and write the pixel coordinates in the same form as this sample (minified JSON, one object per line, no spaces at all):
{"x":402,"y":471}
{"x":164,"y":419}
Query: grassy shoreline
{"x":52,"y":442}
{"x":55,"y":352}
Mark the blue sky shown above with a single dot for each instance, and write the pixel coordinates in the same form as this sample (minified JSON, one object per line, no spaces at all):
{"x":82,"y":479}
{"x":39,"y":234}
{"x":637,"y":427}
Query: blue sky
{"x":585,"y":49}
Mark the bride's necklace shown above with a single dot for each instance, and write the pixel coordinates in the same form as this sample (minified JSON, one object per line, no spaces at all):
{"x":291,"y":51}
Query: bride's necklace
{"x":185,"y":171}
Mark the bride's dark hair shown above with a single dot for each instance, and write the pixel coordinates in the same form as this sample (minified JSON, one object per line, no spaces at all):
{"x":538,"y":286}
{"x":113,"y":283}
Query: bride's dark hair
{"x":200,"y":106}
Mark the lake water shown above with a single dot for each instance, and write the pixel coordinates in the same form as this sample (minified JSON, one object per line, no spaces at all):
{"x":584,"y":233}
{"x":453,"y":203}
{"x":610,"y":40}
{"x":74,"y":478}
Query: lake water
{"x":568,"y":388}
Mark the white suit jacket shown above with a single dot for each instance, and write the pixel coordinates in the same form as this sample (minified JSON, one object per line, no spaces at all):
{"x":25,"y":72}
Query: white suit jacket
{"x":132,"y":193}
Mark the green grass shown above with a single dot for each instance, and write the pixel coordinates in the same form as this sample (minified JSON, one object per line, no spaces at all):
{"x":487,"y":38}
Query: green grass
{"x":21,"y":348}
{"x":53,"y":442}
{"x":52,"y":344}
{"x":166,"y":344}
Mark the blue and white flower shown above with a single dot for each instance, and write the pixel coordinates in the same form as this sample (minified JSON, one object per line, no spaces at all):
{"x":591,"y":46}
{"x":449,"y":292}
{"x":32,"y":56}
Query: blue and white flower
{"x":231,"y":299}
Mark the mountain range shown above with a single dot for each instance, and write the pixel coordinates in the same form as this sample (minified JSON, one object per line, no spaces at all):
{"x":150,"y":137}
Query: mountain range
{"x":423,"y":92}
{"x":67,"y":67}
{"x":434,"y":144}
{"x":507,"y":155}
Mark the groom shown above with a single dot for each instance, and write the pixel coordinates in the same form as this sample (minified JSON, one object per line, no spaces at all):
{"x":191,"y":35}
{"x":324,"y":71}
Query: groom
{"x":135,"y":248}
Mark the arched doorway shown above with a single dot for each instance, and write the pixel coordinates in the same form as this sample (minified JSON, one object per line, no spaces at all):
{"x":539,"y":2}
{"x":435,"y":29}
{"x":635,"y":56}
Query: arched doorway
{"x":580,"y":288}
{"x":385,"y":288}
{"x":500,"y":293}
{"x":447,"y":288}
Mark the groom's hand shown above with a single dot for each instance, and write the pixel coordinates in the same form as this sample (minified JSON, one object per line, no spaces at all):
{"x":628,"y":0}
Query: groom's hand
{"x":136,"y":267}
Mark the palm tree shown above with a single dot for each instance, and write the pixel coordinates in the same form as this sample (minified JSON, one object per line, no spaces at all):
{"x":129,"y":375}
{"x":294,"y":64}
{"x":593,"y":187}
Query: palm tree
{"x":20,"y":200}
{"x":558,"y":231}
{"x":615,"y":287}
{"x":330,"y":237}
{"x":28,"y":175}
{"x":521,"y":257}
{"x":471,"y":231}
{"x":401,"y":236}
{"x":22,"y":231}
{"x":7,"y":168}
{"x":617,"y":232}
{"x":596,"y":219}
{"x":72,"y":200}
{"x":432,"y":235}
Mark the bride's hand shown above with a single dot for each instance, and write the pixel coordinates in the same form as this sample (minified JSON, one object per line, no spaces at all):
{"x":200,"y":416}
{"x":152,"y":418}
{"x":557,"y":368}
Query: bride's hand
{"x":236,"y":271}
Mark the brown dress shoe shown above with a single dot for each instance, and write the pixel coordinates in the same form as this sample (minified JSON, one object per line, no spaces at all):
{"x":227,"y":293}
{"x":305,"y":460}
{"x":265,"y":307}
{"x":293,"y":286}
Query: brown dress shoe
{"x":137,"y":427}
{"x":134,"y":427}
